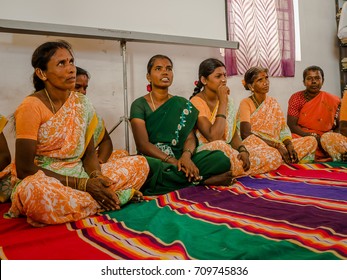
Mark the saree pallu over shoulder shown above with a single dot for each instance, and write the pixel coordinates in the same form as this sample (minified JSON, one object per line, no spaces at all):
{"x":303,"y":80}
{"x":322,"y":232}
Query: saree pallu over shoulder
{"x":99,"y":131}
{"x":8,"y":174}
{"x":268,"y":121}
{"x":318,"y":114}
{"x":230,"y":126}
{"x":169,"y":126}
{"x":3,"y":122}
{"x":62,"y":140}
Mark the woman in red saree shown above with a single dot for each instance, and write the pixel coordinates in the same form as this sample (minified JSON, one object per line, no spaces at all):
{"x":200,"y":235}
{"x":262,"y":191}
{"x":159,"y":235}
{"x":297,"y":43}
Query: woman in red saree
{"x":313,"y":112}
{"x":61,"y":178}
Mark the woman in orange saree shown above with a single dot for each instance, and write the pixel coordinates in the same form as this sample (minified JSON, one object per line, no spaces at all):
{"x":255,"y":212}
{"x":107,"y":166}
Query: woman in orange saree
{"x":61,"y":178}
{"x":335,"y":144}
{"x":216,"y":125}
{"x":6,"y":169}
{"x":262,"y":123}
{"x":313,"y":112}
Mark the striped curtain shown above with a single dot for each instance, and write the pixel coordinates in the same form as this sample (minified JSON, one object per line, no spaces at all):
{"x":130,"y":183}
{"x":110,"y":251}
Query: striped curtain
{"x":265,"y":32}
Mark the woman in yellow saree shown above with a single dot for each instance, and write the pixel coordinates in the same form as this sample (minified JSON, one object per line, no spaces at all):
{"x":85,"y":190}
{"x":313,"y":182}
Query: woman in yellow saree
{"x":262,"y":123}
{"x":61,"y":178}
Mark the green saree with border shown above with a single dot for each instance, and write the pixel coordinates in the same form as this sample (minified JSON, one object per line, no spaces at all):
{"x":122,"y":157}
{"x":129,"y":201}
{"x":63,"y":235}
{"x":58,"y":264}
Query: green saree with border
{"x":168,"y":128}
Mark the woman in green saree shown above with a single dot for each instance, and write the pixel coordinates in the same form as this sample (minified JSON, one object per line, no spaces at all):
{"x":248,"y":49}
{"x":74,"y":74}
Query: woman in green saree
{"x":163,"y":129}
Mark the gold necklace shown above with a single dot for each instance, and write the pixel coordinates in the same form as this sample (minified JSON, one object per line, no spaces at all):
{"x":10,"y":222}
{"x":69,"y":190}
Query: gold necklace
{"x":255,"y":101}
{"x":154,"y":107}
{"x":50,"y":101}
{"x":150,"y":95}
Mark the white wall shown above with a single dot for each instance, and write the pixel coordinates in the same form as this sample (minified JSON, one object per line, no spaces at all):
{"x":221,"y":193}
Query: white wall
{"x":151,"y":16}
{"x":103,"y":60}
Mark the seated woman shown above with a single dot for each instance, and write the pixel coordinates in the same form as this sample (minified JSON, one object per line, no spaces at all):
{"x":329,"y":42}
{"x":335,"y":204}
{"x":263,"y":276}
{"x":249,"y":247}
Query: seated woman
{"x":261,"y":119}
{"x":216,"y":125}
{"x":5,"y":168}
{"x":61,"y":178}
{"x":335,"y":144}
{"x":102,"y":140}
{"x":162,"y":126}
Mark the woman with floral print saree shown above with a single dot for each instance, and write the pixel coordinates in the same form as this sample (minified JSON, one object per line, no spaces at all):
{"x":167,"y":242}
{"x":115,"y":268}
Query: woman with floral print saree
{"x":61,"y":178}
{"x":163,"y":128}
{"x":262,"y":123}
{"x":6,"y":169}
{"x":216,"y":125}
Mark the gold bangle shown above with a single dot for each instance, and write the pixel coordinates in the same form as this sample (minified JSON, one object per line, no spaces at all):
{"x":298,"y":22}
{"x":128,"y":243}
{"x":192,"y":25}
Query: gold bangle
{"x":82,"y":184}
{"x":85,"y":185}
{"x":189,"y":151}
{"x":95,"y":173}
{"x":221,"y":116}
{"x":167,"y":158}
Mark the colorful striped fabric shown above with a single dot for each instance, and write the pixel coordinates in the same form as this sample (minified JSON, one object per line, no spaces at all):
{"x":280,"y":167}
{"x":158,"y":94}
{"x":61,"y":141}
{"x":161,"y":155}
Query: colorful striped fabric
{"x":296,"y":212}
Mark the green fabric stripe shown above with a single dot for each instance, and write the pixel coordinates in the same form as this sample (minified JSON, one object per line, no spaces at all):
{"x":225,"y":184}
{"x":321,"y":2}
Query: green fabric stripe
{"x":208,"y":241}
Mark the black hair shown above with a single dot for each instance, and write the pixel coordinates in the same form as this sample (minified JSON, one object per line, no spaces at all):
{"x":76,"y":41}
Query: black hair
{"x":251,"y":74}
{"x":81,"y":71}
{"x":313,"y":68}
{"x":41,"y":57}
{"x":153,"y":59}
{"x":206,"y":68}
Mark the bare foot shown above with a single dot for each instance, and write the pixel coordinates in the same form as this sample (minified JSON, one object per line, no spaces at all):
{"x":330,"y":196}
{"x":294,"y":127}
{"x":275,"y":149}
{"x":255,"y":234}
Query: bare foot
{"x":225,"y":179}
{"x":137,"y":197}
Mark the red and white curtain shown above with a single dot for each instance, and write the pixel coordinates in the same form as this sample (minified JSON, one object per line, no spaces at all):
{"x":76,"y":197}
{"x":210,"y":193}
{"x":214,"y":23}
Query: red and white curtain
{"x":265,"y":32}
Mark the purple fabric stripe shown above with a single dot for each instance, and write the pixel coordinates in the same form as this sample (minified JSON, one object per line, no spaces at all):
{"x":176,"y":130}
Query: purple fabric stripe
{"x":297,"y":188}
{"x":305,"y":215}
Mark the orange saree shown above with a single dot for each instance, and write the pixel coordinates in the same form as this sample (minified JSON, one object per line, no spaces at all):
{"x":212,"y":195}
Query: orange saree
{"x":7,"y":175}
{"x":268,"y":122}
{"x":61,"y":142}
{"x":259,"y":163}
{"x":319,"y":116}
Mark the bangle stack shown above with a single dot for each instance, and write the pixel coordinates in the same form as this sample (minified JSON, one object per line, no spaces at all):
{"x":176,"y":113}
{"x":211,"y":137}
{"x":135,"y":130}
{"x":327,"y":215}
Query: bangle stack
{"x":82,"y":184}
{"x":79,"y":183}
{"x":167,"y":158}
{"x":95,"y":173}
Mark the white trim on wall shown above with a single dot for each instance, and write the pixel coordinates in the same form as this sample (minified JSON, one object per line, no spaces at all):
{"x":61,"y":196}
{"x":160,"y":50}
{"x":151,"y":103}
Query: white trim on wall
{"x":297,"y":31}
